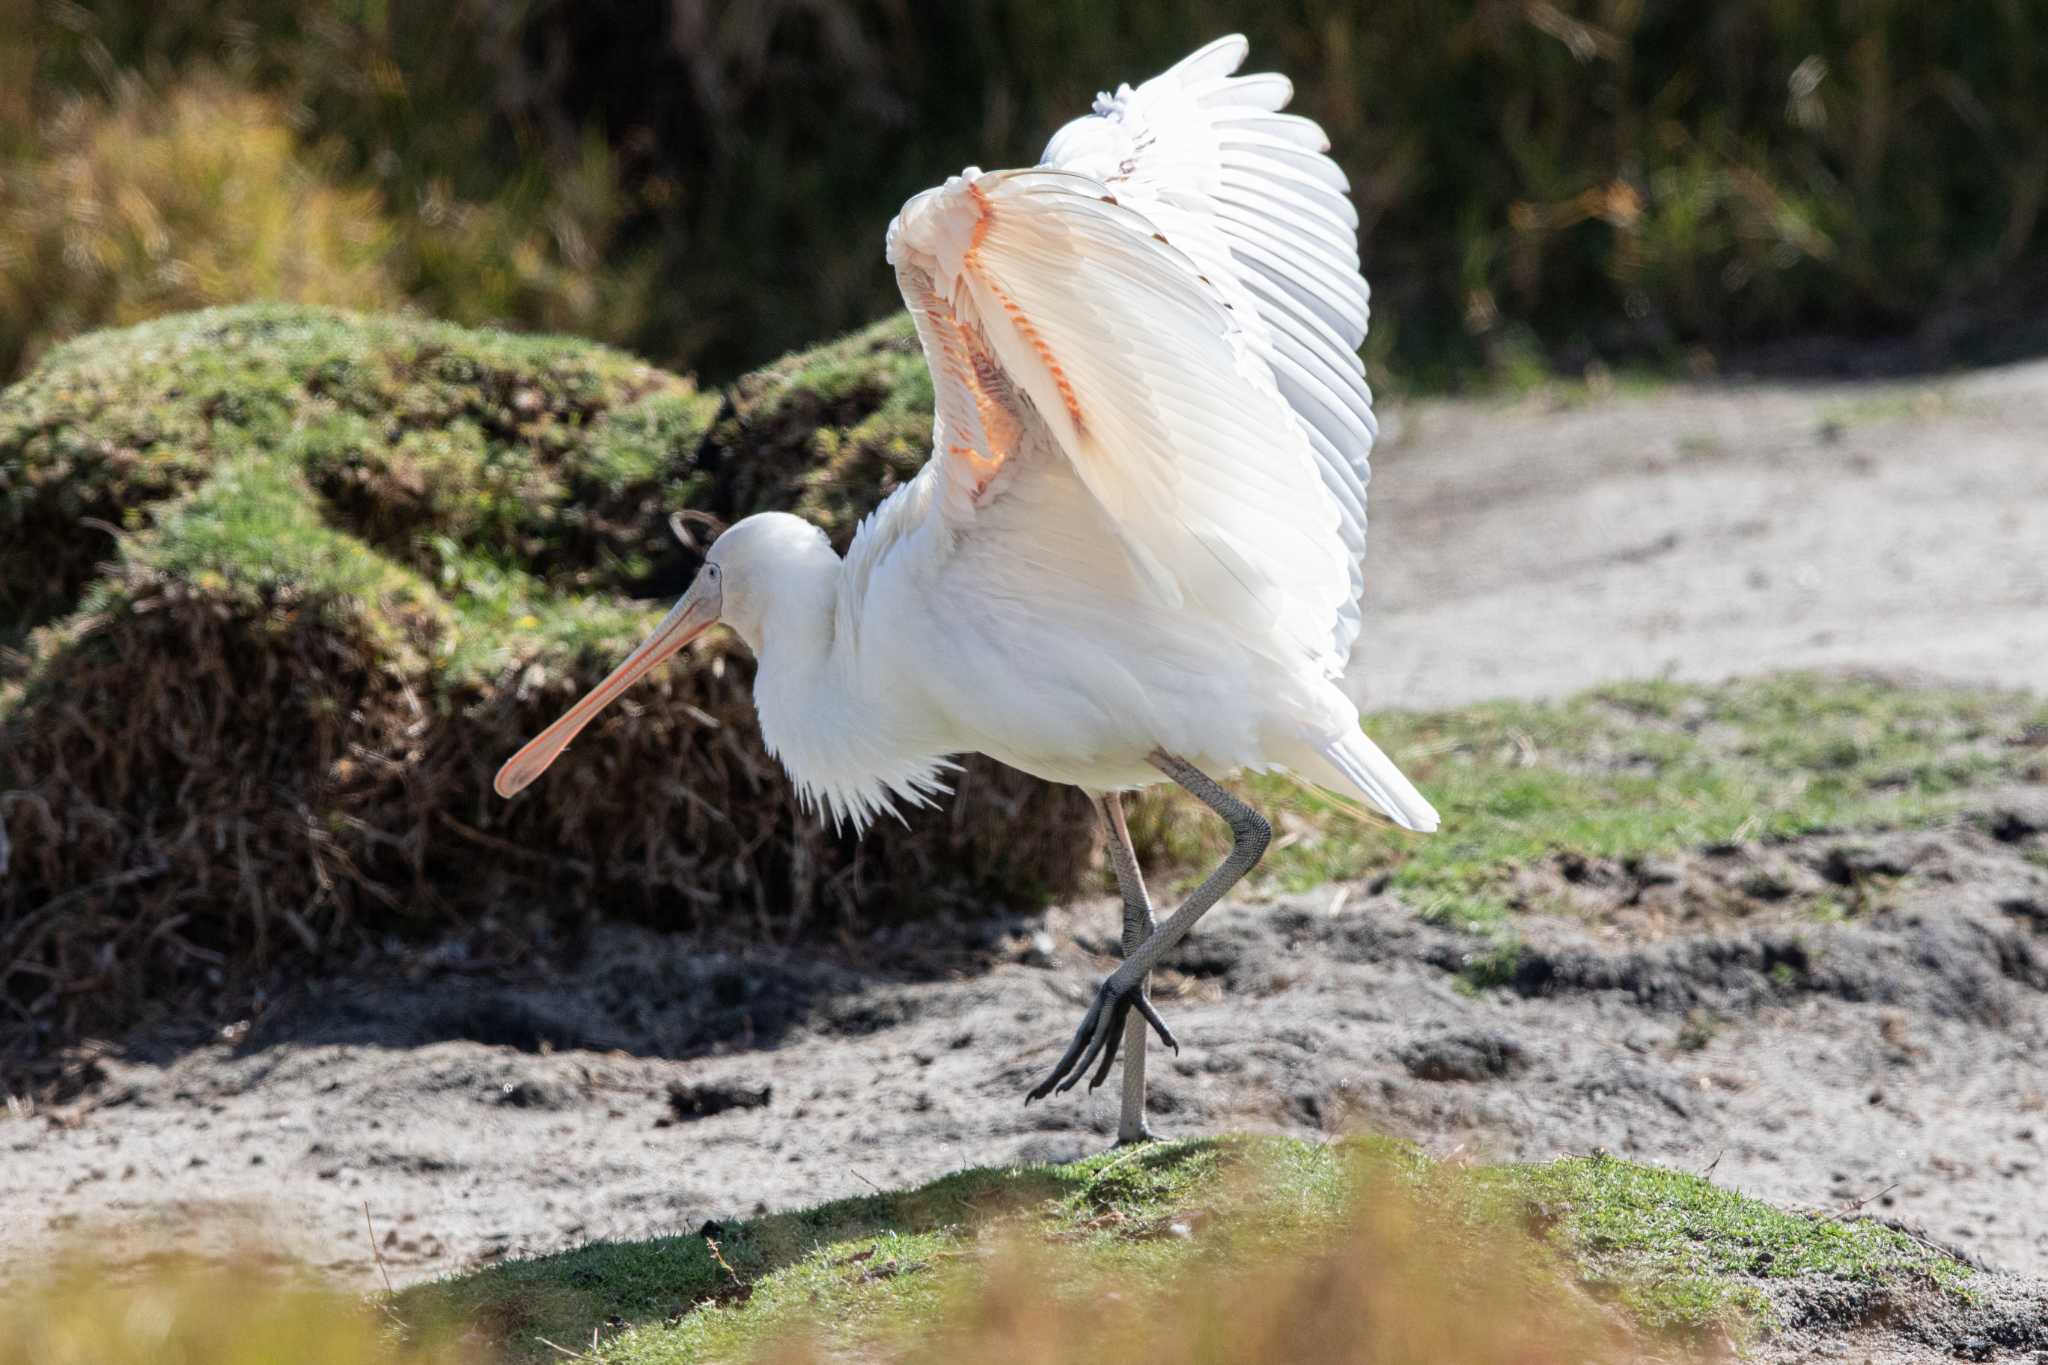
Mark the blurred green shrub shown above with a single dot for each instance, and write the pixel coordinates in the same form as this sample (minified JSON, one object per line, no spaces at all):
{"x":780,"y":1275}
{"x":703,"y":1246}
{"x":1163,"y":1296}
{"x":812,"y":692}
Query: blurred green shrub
{"x":534,"y":256}
{"x":1540,"y":181}
{"x":151,"y":205}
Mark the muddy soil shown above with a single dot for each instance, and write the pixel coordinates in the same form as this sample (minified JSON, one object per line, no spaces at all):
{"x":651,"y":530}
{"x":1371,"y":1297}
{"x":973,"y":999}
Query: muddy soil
{"x":1716,"y":1012}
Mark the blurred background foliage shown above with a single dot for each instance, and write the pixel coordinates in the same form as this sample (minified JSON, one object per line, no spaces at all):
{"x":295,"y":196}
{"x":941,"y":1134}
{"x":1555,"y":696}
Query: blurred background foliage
{"x":1541,"y":184}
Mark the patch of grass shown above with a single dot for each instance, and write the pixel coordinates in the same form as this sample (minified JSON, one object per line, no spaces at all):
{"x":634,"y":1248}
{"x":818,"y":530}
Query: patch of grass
{"x":884,"y":1266}
{"x":253,"y":530}
{"x":506,"y":617}
{"x":843,"y":1259}
{"x":1680,"y":1250}
{"x":1629,"y":772}
{"x":1914,"y":404}
{"x":1174,"y":1253}
{"x":1159,"y":1236}
{"x":1829,"y":910}
{"x":561,"y":1297}
{"x":1697,"y":1031}
{"x":1493,"y":965}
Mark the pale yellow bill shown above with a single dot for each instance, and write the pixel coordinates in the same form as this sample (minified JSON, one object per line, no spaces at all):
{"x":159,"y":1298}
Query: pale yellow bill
{"x":696,"y":613}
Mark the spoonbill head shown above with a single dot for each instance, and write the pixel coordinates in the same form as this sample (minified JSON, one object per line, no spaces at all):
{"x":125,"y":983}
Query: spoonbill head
{"x":765,"y":560}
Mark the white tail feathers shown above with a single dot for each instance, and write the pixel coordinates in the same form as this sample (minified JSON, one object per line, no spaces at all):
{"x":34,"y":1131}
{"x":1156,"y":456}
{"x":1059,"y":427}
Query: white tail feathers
{"x":1372,"y":773}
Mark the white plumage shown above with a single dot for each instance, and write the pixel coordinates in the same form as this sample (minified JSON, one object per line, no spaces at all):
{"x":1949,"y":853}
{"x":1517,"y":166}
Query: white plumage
{"x":1143,"y":523}
{"x":1136,"y":550}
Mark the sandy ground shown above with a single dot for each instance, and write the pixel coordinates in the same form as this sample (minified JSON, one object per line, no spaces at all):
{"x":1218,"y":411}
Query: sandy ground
{"x":1893,"y":1063}
{"x":1527,"y":549}
{"x":1897,"y":1063}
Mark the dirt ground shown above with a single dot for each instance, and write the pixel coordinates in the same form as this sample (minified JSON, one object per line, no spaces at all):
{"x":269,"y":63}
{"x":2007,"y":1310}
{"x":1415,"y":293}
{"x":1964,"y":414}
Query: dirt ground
{"x":1537,"y":547}
{"x":1891,"y":1063}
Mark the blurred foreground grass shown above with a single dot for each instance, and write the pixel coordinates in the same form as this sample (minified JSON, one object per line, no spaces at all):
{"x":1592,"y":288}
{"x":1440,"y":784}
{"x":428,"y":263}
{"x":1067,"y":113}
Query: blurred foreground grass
{"x":1212,"y":1251}
{"x":177,"y":1311}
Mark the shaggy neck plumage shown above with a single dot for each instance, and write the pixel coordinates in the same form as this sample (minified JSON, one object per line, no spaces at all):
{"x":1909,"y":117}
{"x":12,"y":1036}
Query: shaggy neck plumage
{"x":840,"y":739}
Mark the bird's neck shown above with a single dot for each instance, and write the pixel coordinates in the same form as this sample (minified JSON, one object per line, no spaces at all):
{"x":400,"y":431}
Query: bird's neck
{"x":795,"y":638}
{"x":851,"y":740}
{"x":804,"y":669}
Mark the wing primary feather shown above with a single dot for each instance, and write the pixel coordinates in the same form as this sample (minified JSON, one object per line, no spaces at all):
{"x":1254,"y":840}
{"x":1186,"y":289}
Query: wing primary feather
{"x":1189,"y":217}
{"x":1213,"y":61}
{"x":1267,"y":90}
{"x":1292,"y":128}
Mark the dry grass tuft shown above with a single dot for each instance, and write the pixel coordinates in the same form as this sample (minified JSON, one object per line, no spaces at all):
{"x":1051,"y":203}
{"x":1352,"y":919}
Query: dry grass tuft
{"x":156,"y":201}
{"x":1395,"y":1287}
{"x":184,"y":1312}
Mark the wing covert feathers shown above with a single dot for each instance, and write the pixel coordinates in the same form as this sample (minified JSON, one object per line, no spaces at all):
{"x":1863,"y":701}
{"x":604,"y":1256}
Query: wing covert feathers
{"x":1038,"y":291}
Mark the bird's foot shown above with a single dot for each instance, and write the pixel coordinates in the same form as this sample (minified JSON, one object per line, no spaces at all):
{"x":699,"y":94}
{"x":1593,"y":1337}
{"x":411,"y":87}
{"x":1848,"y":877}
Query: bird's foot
{"x":1137,"y":1139}
{"x":1100,"y":1035}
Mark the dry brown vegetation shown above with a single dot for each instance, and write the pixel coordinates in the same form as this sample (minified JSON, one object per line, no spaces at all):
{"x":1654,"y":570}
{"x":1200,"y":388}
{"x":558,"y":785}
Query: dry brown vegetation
{"x":284,"y":587}
{"x":251,"y":1311}
{"x":154,"y":203}
{"x":1396,"y":1286}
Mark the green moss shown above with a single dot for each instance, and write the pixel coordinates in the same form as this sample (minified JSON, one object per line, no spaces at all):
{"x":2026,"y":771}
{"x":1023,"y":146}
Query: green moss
{"x":1680,"y":1250}
{"x":253,"y":531}
{"x":504,"y":617}
{"x":1676,"y":1252}
{"x":553,"y":454}
{"x":474,"y":497}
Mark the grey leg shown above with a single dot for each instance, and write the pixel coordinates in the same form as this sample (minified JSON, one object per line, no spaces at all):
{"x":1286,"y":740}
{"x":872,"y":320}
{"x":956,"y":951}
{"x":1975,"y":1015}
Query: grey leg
{"x":1138,"y":926}
{"x":1120,"y":992}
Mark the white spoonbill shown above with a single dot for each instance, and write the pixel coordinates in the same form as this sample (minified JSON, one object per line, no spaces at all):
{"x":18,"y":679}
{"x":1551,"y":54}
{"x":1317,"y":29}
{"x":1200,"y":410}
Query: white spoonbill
{"x":1135,"y":551}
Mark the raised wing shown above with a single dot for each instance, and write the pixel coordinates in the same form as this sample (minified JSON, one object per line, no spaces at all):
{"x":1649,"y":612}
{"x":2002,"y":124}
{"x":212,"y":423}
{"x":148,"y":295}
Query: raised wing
{"x":1039,"y":297}
{"x":1247,"y":194}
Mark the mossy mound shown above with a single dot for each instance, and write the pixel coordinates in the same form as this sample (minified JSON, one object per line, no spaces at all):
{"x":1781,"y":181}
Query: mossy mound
{"x":280,"y":587}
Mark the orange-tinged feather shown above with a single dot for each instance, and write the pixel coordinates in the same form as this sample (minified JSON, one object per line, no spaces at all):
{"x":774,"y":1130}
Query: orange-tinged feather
{"x":968,"y":363}
{"x":971,"y":262}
